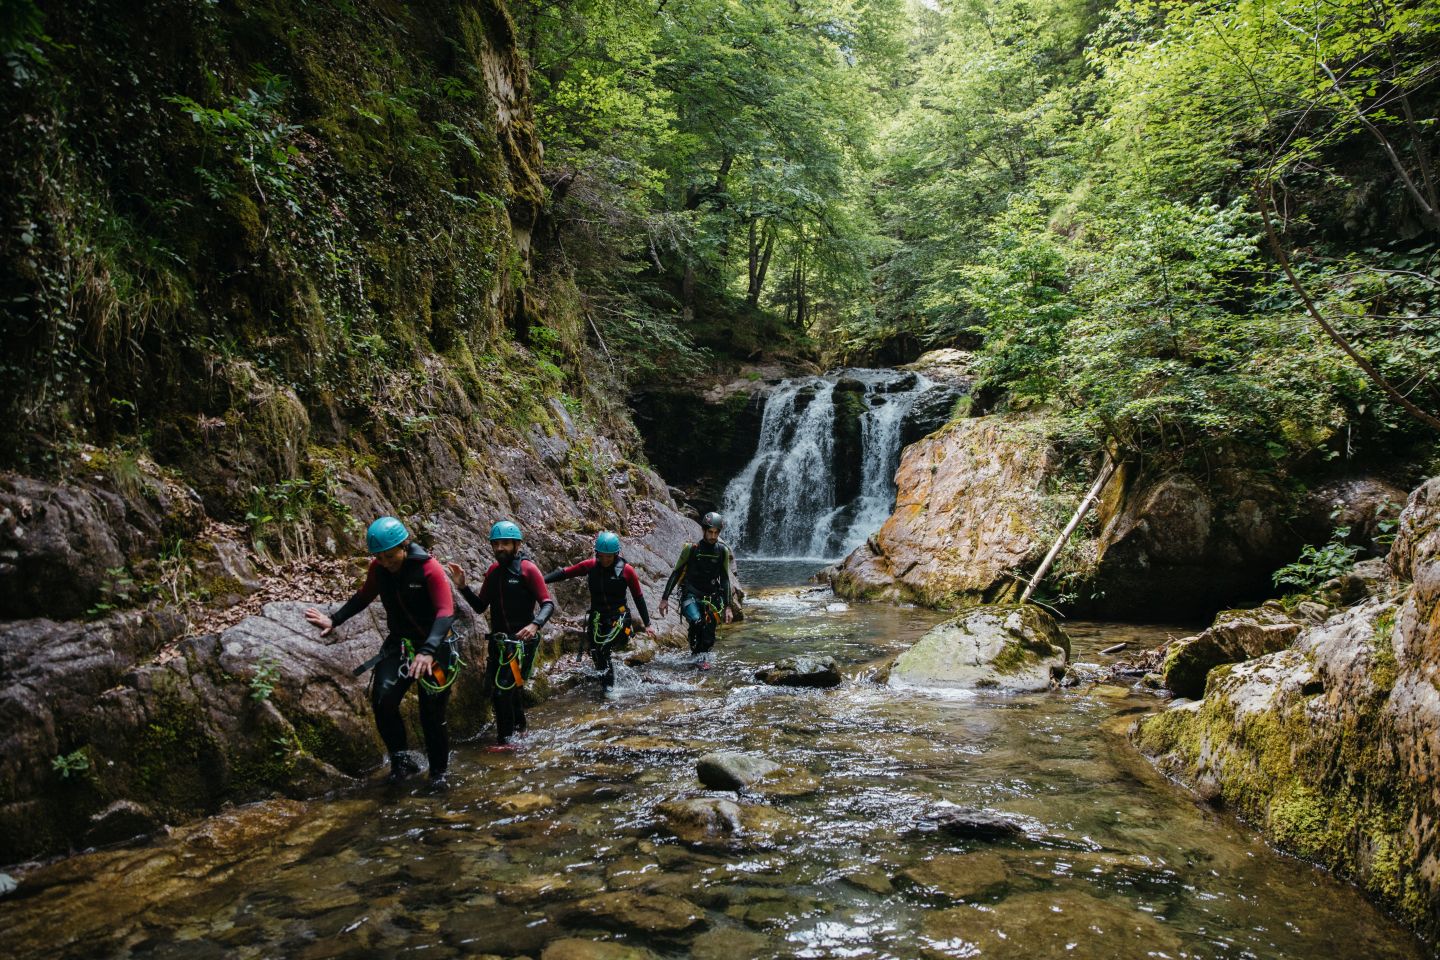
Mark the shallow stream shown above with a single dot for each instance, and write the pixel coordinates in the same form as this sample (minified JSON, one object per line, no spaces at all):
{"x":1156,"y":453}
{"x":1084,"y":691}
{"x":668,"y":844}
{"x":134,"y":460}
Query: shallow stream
{"x":565,"y":839}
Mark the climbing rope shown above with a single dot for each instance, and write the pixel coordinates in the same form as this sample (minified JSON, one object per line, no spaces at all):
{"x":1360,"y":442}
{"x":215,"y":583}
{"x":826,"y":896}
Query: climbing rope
{"x":618,"y":628}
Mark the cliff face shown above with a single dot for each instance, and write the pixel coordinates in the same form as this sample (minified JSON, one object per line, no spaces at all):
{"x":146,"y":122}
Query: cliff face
{"x":980,"y":501}
{"x":270,"y":275}
{"x":1331,"y":744}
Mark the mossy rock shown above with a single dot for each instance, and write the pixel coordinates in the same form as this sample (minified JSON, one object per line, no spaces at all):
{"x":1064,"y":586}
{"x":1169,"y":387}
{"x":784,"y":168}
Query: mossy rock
{"x":991,"y":647}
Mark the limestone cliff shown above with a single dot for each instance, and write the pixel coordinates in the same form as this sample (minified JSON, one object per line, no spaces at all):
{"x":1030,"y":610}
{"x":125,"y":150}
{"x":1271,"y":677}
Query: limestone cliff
{"x":1331,"y":744}
{"x":272,"y":272}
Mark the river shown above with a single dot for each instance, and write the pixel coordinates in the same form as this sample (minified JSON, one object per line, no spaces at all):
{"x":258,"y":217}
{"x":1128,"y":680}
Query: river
{"x":566,"y":839}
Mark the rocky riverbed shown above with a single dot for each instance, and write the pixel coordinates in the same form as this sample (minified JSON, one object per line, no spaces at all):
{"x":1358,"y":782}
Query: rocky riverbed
{"x":900,"y":824}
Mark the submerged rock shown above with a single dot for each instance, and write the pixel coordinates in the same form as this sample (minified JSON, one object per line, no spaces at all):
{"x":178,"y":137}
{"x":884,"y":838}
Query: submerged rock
{"x":571,"y":949}
{"x":1048,"y":924}
{"x":802,"y":671}
{"x":712,"y":820}
{"x":993,"y":647}
{"x":733,"y":771}
{"x":635,"y":912}
{"x":971,"y":824}
{"x":959,"y":876}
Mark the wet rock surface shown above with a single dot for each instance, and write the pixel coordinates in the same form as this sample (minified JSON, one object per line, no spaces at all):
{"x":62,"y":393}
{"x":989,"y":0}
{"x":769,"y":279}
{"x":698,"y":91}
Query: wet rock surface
{"x":994,"y":647}
{"x":803,"y":671}
{"x":733,"y":771}
{"x":964,"y":518}
{"x":636,"y":912}
{"x":1235,"y":636}
{"x":1331,"y":743}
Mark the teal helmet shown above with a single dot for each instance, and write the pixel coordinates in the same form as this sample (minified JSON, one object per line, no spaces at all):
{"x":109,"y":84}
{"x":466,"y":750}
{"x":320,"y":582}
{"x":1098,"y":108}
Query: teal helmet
{"x":607,"y":542}
{"x":385,"y":534}
{"x":505,"y":530}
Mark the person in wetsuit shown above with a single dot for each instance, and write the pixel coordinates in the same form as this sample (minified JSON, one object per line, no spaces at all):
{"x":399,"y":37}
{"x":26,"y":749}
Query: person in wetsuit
{"x":514,"y":592}
{"x":703,"y":573}
{"x":608,"y":625}
{"x":419,"y":612}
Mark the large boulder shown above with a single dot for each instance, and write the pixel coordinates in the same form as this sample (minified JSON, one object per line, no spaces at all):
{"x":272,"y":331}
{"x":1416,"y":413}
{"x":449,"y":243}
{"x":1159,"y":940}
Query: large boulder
{"x":88,"y":542}
{"x":1236,"y":635}
{"x":1332,"y":745}
{"x":997,"y":647}
{"x":965,"y":522}
{"x":1175,"y":547}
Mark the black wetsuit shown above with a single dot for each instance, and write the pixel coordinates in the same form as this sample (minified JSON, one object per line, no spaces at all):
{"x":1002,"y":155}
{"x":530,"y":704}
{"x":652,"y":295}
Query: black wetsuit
{"x":703,"y":573}
{"x":608,"y":625}
{"x":419,"y":608}
{"x":512,"y":594}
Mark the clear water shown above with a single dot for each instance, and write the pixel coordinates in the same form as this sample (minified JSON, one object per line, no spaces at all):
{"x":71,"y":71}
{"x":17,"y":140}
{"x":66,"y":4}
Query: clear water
{"x":1116,"y":861}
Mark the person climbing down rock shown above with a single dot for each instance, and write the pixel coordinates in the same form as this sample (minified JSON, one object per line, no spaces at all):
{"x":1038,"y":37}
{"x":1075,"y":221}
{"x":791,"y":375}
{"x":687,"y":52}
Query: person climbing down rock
{"x":514,"y":592}
{"x":703,"y":574}
{"x":420,"y":646}
{"x":608,"y":625}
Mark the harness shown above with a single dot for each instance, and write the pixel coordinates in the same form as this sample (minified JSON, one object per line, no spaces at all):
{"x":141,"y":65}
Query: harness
{"x":444,"y":677}
{"x":509,"y":673}
{"x":620,"y":627}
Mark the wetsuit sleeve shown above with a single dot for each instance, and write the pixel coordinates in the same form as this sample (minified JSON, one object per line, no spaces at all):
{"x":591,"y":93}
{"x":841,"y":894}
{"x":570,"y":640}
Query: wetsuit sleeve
{"x":369,"y":590}
{"x":633,"y":582}
{"x":726,"y":578}
{"x":530,"y":575}
{"x":677,"y":574}
{"x":574,"y":570}
{"x":479,"y":602}
{"x":438,"y":586}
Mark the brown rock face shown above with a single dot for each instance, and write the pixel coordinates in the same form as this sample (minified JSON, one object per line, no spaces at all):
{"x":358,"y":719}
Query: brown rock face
{"x":1178,"y":549}
{"x":1332,"y":745}
{"x":965,"y":519}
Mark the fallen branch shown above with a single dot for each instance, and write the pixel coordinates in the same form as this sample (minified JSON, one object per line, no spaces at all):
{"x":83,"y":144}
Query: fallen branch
{"x":1105,"y":471}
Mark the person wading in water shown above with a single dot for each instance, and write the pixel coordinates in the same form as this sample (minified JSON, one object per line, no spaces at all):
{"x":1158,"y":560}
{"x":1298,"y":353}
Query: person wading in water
{"x":512,"y":591}
{"x":419,"y":644}
{"x":608,"y":625}
{"x":703,"y":573}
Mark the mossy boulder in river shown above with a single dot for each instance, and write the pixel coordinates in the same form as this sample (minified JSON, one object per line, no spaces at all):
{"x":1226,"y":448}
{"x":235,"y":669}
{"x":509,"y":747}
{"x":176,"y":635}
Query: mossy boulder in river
{"x":993,"y":647}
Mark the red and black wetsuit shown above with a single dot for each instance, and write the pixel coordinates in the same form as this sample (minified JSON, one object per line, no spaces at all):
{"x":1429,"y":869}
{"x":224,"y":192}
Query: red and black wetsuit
{"x":607,"y":626}
{"x":419,"y":608}
{"x":512,"y":594}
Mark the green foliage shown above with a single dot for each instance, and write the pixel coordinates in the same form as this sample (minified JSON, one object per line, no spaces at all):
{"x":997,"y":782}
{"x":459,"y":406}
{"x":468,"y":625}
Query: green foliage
{"x":71,"y":765}
{"x":1318,"y":564}
{"x":255,"y":138}
{"x":266,"y":675}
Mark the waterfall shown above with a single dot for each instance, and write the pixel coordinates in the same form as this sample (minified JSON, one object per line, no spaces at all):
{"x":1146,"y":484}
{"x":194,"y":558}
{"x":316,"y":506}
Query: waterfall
{"x":823,"y":475}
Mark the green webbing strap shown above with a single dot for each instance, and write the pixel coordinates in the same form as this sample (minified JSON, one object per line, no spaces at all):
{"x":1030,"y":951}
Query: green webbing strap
{"x":615,"y":631}
{"x":510,"y":650}
{"x":447,"y":674}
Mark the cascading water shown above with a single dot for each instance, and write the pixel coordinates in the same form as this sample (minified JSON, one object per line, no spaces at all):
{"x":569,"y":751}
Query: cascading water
{"x":823,"y":476}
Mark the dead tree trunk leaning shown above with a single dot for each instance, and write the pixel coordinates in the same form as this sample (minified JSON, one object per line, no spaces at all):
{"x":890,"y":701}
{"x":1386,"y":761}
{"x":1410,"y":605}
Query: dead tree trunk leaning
{"x":1106,"y":469}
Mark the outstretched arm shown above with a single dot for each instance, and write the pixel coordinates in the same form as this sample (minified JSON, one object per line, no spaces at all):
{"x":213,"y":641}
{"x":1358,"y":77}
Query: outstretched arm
{"x":574,"y":570}
{"x":369,"y":590}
